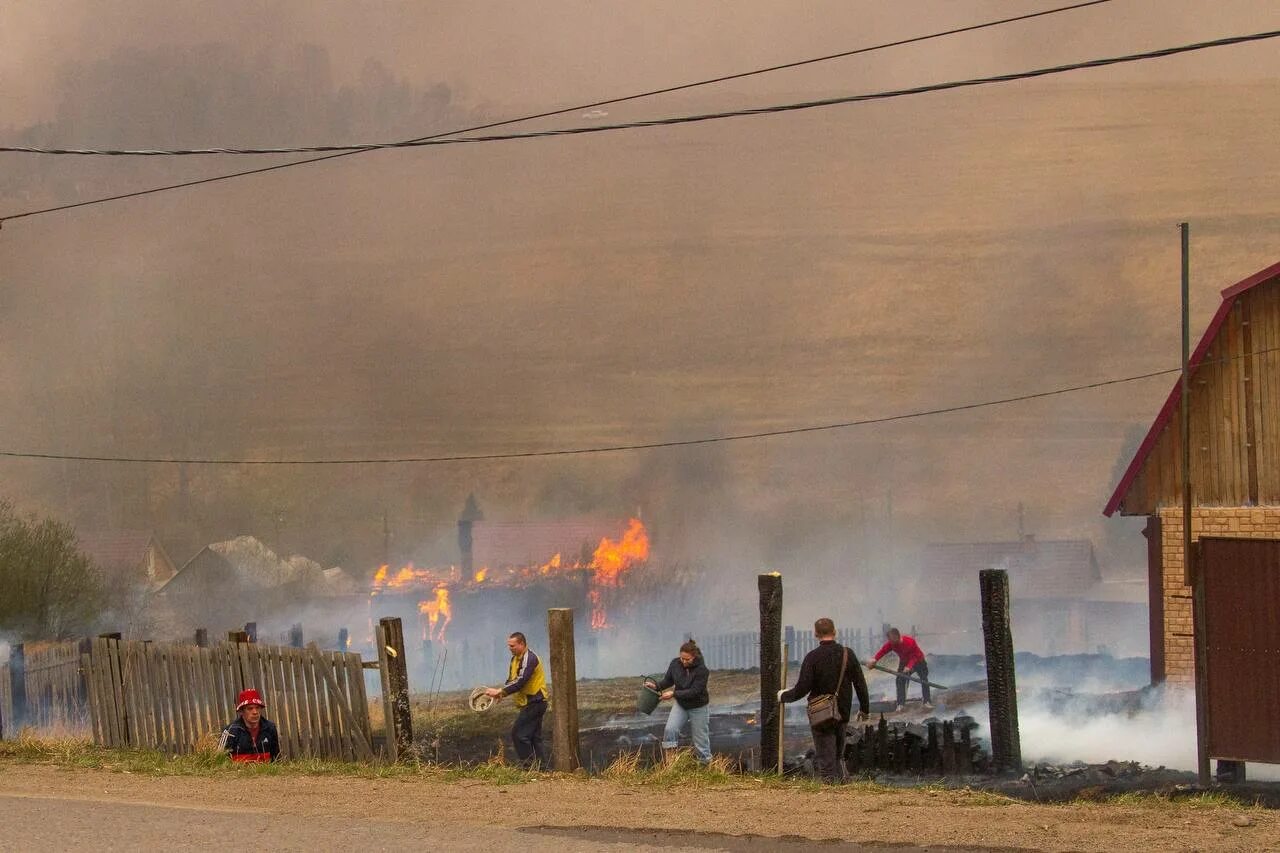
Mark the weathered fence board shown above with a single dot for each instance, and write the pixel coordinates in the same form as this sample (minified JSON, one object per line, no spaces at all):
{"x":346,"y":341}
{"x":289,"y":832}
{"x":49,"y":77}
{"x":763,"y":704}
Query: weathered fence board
{"x":171,"y":697}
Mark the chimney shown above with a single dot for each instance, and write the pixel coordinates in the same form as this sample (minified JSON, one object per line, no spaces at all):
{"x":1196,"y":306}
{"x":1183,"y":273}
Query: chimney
{"x":470,"y":513}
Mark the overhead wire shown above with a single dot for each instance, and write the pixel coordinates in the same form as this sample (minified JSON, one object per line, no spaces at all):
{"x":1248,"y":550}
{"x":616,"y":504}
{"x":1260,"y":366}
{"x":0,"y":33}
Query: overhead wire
{"x":562,"y":111}
{"x":668,"y":120}
{"x":652,"y":445}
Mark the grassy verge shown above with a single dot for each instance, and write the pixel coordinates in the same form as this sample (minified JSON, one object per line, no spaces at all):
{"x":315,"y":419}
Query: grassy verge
{"x":627,"y":769}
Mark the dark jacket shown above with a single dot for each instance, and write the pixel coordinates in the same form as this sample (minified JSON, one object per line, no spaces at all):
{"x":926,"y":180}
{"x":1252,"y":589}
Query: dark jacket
{"x":690,"y":683}
{"x":237,"y":741}
{"x":818,"y":674}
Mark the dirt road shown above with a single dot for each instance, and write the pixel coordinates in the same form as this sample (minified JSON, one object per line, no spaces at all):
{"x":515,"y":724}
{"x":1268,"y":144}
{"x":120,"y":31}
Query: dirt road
{"x":45,"y":808}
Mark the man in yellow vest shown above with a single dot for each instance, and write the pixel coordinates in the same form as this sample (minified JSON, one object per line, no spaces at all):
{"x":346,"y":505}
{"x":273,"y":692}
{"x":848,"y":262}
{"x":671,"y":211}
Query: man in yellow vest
{"x":527,"y":682}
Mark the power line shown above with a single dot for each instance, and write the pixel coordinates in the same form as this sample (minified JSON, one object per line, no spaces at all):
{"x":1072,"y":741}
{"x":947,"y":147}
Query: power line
{"x":653,"y":445}
{"x":563,"y":111}
{"x":669,"y":120}
{"x":615,"y":448}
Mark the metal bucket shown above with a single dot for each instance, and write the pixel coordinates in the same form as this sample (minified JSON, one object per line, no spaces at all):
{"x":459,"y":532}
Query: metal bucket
{"x":647,"y":699}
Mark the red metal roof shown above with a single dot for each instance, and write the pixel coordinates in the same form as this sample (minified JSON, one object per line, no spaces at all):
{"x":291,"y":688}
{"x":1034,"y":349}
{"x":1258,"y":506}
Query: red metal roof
{"x":1063,"y":568}
{"x":1171,"y":403}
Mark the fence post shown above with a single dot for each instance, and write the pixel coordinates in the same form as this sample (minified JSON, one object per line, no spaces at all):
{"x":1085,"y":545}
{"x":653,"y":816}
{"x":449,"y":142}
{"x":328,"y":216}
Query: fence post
{"x":564,"y":684}
{"x":394,"y":671}
{"x":770,"y":587}
{"x":17,"y":687}
{"x":251,"y":629}
{"x":237,"y":636}
{"x":295,"y":635}
{"x":1002,"y":694}
{"x":343,"y":641}
{"x":202,"y":638}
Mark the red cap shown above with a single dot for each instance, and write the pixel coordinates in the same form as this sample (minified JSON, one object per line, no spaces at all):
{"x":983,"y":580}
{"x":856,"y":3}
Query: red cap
{"x":249,"y":697}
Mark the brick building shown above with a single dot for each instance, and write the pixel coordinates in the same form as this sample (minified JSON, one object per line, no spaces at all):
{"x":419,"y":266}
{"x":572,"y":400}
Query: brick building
{"x":1235,"y":459}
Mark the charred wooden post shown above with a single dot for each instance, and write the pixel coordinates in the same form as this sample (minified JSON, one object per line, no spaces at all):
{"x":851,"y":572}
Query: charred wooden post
{"x":882,"y":743}
{"x":17,"y":687}
{"x":344,"y":642}
{"x":915,"y":756}
{"x":251,"y":628}
{"x":202,"y":638}
{"x":295,"y":635}
{"x":948,"y":749}
{"x":564,"y":687}
{"x":1002,"y":693}
{"x":237,"y":636}
{"x":394,"y":671}
{"x":770,"y":587}
{"x":964,"y":756}
{"x":932,"y":755}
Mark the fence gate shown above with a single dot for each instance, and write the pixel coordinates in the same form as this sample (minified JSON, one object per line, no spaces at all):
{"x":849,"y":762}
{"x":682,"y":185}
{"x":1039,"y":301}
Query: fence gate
{"x":175,"y":697}
{"x":1242,"y":634}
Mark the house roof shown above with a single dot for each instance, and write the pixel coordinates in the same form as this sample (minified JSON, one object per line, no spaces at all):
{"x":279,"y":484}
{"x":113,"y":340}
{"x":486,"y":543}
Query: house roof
{"x":116,"y":550}
{"x":1063,"y":568}
{"x":1170,"y":406}
{"x":526,"y":543}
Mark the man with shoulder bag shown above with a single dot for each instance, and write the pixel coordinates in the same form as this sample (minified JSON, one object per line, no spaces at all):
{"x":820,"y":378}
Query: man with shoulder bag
{"x":829,"y":676}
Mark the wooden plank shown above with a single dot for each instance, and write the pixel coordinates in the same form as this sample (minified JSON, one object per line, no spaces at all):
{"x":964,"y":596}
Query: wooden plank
{"x":133,"y":708}
{"x":340,"y":730}
{"x":191,"y":676}
{"x":314,"y":707}
{"x":362,"y":748}
{"x":360,"y":701}
{"x":349,"y":722}
{"x":179,"y":697}
{"x":86,"y":665}
{"x":388,"y":705}
{"x":155,"y":692}
{"x":102,"y":653}
{"x":298,"y":685}
{"x":203,"y":695}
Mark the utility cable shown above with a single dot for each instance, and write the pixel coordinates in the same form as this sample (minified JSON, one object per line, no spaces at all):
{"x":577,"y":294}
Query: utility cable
{"x":660,"y":122}
{"x":565,"y":110}
{"x":616,"y":448}
{"x":653,"y":445}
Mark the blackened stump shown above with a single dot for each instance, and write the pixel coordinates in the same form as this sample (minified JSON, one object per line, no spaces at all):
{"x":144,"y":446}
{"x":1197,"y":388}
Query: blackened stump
{"x":1002,"y":693}
{"x":770,"y":587}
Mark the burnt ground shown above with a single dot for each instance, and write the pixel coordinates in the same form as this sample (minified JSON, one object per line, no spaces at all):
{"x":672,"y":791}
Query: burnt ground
{"x":44,"y":807}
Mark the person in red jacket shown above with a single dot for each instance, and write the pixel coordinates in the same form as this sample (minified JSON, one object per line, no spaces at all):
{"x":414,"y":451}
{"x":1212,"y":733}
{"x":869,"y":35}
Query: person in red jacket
{"x":910,"y":659}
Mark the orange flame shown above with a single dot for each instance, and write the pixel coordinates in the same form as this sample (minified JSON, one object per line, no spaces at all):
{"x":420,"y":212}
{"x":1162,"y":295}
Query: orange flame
{"x":479,"y":576}
{"x":433,"y":610}
{"x":550,"y":566}
{"x":610,"y":561}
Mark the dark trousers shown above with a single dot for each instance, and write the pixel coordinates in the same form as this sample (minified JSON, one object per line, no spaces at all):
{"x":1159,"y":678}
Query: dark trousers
{"x":526,"y":734}
{"x":921,"y":671}
{"x":828,"y":752}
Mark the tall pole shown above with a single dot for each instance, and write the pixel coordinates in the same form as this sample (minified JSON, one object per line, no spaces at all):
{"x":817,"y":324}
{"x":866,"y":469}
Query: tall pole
{"x":564,"y":683}
{"x":1189,"y":570}
{"x":1186,"y":402}
{"x":770,"y":587}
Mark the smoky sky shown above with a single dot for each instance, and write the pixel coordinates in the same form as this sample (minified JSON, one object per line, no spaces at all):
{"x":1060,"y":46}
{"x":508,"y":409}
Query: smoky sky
{"x":736,"y":276}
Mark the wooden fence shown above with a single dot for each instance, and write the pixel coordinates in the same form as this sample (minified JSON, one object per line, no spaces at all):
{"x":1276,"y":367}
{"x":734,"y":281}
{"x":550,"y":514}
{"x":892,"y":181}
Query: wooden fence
{"x":6,"y":703}
{"x":175,"y":697}
{"x":55,"y":690}
{"x":49,"y":676}
{"x":741,"y":650}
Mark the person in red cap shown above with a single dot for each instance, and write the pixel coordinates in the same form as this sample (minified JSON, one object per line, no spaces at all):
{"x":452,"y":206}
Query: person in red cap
{"x":250,"y":736}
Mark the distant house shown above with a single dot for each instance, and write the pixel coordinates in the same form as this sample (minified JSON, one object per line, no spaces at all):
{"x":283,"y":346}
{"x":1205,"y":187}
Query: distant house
{"x":1055,"y":584}
{"x":127,"y":556}
{"x":229,"y":583}
{"x":1235,"y":459}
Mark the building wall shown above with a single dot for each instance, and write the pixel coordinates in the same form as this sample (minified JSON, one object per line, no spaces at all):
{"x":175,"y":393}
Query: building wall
{"x":1262,"y":522}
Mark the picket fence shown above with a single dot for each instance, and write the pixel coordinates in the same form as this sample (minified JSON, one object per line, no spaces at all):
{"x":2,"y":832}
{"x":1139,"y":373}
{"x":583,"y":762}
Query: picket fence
{"x":49,"y":675}
{"x":177,"y":698}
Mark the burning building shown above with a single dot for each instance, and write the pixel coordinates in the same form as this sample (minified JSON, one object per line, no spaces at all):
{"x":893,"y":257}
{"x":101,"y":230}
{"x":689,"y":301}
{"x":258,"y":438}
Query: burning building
{"x":508,"y":575}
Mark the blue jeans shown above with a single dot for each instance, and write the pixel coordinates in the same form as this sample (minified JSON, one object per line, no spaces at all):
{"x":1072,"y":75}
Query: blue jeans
{"x":699,"y":720}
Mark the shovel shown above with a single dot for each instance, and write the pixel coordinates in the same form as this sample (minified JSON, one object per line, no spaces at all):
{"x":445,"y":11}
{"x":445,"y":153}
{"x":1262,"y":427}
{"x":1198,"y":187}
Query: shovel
{"x":909,"y":676}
